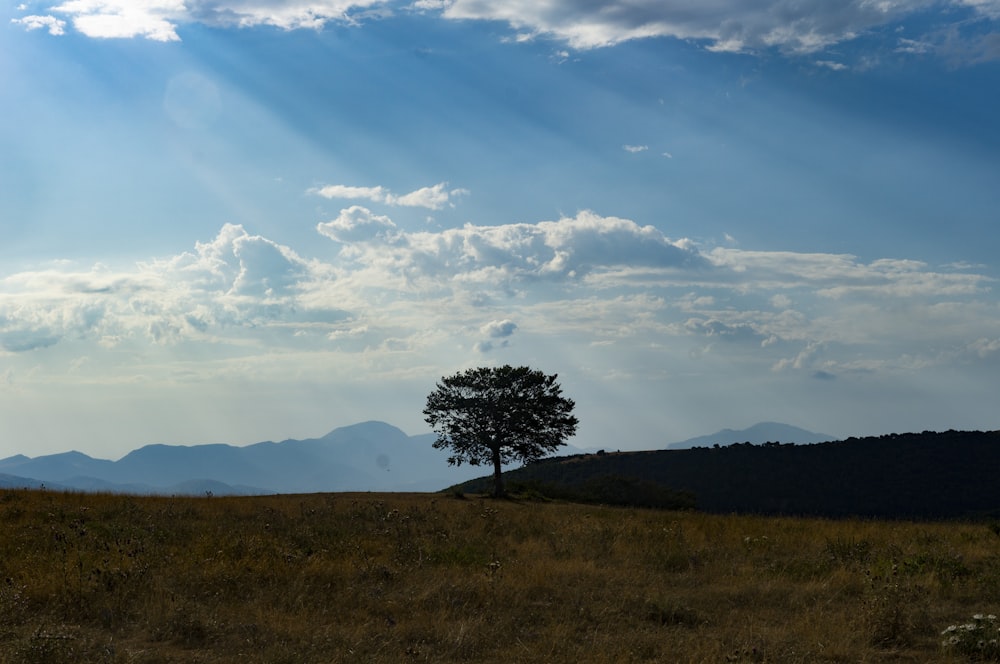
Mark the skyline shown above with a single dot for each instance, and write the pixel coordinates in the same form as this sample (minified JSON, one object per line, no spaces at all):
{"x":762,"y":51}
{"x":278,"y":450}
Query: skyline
{"x":233,"y":221}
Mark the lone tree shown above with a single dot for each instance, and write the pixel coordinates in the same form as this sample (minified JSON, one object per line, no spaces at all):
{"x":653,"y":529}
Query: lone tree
{"x":499,"y":415}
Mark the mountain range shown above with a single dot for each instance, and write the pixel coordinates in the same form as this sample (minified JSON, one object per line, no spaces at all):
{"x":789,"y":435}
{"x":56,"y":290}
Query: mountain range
{"x":369,"y":456}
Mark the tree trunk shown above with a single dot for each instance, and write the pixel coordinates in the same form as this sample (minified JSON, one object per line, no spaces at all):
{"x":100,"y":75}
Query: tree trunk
{"x":498,"y":491}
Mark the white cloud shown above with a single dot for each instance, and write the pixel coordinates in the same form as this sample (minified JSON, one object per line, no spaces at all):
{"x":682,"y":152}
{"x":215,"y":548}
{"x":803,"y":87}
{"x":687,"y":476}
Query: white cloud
{"x":236,"y":281}
{"x":357,"y":224}
{"x":781,"y":301}
{"x":831,"y":64}
{"x":723,"y":25}
{"x":158,"y":20}
{"x":647,"y":326}
{"x":984,"y":348}
{"x":289,"y":15}
{"x":54,"y":25}
{"x":914,"y":46}
{"x":590,"y":296}
{"x":511,"y":255}
{"x":375,"y":194}
{"x":990,"y":8}
{"x":635,"y":148}
{"x":435,"y":197}
{"x":238,"y":285}
{"x":726,"y":25}
{"x":498,"y":332}
{"x":152,"y":19}
{"x":499,"y":329}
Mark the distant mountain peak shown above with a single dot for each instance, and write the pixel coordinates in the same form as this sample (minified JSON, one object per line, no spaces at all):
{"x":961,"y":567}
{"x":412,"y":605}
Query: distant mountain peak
{"x":762,"y":432}
{"x":375,"y":428}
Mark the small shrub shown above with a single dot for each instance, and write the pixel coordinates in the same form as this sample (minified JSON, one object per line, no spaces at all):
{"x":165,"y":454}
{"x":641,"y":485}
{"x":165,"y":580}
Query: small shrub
{"x":978,"y":639}
{"x":893,"y":606}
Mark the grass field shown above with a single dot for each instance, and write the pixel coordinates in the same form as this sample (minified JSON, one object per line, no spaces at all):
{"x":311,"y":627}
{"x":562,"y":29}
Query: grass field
{"x":421,"y":577}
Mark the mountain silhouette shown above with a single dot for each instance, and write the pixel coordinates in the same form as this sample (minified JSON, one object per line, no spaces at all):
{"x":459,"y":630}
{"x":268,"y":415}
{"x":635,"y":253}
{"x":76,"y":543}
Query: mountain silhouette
{"x":369,"y":456}
{"x":758,"y":434}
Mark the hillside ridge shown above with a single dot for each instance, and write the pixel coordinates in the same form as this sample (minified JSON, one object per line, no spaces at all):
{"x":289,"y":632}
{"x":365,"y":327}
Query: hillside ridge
{"x":926,"y":475}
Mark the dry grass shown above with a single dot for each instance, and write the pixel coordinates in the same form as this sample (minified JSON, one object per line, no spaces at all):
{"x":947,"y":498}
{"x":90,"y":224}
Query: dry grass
{"x":429,"y":578}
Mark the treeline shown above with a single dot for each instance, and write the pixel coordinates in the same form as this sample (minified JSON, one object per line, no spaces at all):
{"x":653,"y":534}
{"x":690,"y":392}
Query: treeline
{"x":929,"y":475}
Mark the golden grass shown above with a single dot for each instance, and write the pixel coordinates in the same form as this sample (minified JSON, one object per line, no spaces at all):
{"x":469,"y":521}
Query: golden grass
{"x":430,"y":578}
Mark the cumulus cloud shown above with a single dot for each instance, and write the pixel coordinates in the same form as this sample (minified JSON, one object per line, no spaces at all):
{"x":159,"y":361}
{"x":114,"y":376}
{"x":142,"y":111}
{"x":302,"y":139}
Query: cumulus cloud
{"x":54,"y":25}
{"x":312,"y":14}
{"x":567,"y":249}
{"x":237,"y":263}
{"x":802,"y":27}
{"x":499,"y":333}
{"x":499,"y":329}
{"x":593,"y":286}
{"x":235,"y":281}
{"x":152,"y":19}
{"x":158,"y":20}
{"x":635,"y":148}
{"x":725,"y":25}
{"x":435,"y":197}
{"x":238,"y":283}
{"x":357,"y":224}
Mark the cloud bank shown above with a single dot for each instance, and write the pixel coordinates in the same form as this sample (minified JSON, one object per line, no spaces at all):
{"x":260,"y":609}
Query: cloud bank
{"x":724,"y":25}
{"x":588,"y":281}
{"x":244,"y":331}
{"x":800,"y":27}
{"x":158,"y":20}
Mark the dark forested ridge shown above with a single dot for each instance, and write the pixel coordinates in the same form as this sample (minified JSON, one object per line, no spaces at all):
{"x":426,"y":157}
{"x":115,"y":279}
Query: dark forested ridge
{"x":929,"y":475}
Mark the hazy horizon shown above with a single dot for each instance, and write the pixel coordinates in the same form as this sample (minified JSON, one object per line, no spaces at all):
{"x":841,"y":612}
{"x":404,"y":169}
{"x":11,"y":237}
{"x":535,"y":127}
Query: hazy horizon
{"x":240,"y":221}
{"x":568,"y":446}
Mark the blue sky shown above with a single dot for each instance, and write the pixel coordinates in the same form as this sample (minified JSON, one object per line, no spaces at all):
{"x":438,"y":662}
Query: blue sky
{"x":232,"y":221}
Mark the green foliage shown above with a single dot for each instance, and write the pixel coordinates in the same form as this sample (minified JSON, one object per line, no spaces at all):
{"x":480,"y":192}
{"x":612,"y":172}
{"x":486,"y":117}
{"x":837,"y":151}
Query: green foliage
{"x":498,"y":415}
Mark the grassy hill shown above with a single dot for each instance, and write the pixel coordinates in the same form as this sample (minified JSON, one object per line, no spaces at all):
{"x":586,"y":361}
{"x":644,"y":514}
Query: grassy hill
{"x":432,"y":578}
{"x":926,"y":475}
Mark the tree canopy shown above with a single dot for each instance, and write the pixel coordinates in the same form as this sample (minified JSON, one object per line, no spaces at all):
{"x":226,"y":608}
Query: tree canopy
{"x":497,"y":415}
